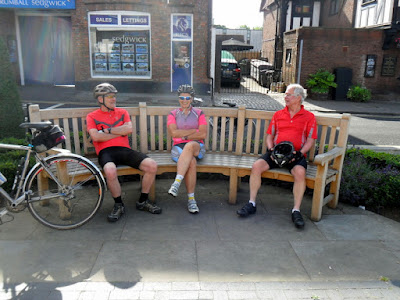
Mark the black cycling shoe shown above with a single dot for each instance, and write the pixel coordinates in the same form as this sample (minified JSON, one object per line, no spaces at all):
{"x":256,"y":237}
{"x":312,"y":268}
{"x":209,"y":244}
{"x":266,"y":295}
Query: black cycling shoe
{"x":116,"y":213}
{"x":246,"y":210}
{"x":297,"y":219}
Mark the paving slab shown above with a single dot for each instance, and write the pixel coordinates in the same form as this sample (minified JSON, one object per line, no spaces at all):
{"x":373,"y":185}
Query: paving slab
{"x":39,"y":261}
{"x":248,"y":261}
{"x":346,"y":260}
{"x":359,"y":227}
{"x":144,"y":260}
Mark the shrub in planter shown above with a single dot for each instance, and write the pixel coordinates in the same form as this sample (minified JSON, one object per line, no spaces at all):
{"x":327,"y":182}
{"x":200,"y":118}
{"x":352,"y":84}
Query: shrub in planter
{"x":320,"y":82}
{"x":370,"y":183}
{"x":358,"y":93}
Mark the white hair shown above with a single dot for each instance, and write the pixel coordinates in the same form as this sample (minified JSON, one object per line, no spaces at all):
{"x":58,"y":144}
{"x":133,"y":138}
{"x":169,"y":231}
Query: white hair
{"x":298,"y":91}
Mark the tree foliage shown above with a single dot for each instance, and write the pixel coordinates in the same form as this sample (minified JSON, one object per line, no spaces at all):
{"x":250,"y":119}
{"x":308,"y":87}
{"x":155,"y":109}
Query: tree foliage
{"x":11,"y":113}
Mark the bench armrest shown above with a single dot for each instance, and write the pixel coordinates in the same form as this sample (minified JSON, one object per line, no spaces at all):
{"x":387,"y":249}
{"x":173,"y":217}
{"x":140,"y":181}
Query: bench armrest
{"x":322,"y":159}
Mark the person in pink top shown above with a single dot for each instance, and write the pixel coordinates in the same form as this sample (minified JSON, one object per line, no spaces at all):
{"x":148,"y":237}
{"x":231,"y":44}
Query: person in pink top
{"x":292,"y":124}
{"x":188,"y":127}
{"x":109,"y":127}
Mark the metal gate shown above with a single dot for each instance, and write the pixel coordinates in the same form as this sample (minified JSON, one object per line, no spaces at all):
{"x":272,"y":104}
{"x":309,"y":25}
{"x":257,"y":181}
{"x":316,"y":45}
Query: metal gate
{"x":255,"y":75}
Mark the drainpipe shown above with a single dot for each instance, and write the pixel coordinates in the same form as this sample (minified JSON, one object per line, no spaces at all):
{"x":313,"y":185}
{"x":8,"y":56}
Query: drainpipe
{"x":300,"y":61}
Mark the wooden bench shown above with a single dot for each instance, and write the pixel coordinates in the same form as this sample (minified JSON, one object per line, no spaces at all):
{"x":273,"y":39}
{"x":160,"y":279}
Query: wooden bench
{"x":231,"y":147}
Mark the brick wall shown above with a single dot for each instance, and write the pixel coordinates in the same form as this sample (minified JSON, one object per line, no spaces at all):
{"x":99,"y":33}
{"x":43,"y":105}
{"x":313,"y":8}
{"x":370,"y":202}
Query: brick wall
{"x":269,"y":33}
{"x":160,"y":12}
{"x":333,"y":48}
{"x":343,"y":19}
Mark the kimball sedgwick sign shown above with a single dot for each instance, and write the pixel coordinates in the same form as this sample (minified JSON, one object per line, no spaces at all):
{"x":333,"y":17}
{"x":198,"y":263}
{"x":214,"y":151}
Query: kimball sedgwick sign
{"x":49,"y":4}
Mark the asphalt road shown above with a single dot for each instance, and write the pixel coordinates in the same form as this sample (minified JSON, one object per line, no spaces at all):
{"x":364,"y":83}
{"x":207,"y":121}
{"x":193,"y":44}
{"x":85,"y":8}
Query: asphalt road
{"x":374,"y":130}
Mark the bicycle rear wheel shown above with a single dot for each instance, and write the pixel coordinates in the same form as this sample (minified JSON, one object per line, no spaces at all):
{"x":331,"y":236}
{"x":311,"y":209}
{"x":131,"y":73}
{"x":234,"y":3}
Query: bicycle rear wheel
{"x":70,"y":202}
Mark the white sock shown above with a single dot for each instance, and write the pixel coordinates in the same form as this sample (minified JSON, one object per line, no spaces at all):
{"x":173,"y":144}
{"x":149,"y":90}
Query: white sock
{"x":191,"y":196}
{"x":294,"y":209}
{"x":252,"y":202}
{"x":178,"y":179}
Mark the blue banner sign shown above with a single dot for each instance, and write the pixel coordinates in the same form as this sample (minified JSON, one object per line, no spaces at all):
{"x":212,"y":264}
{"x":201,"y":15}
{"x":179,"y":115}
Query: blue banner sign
{"x":134,"y":20}
{"x":103,"y":19}
{"x":182,"y":27}
{"x":40,"y":4}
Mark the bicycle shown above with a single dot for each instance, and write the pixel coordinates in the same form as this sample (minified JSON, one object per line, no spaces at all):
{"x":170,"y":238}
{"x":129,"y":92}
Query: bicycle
{"x":198,"y":102}
{"x":62,"y":191}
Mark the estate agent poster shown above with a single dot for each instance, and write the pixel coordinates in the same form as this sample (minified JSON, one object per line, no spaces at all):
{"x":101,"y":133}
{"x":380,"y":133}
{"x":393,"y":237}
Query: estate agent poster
{"x":181,"y":51}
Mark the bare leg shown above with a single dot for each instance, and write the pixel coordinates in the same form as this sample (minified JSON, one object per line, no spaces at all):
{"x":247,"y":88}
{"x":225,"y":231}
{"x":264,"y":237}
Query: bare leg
{"x":149,"y":167}
{"x":259,"y":167}
{"x":299,"y":186}
{"x":110,"y":171}
{"x":191,"y":176}
{"x":190,"y":150}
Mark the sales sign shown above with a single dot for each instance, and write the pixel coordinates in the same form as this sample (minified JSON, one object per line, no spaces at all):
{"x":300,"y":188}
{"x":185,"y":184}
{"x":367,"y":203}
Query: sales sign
{"x":103,"y":19}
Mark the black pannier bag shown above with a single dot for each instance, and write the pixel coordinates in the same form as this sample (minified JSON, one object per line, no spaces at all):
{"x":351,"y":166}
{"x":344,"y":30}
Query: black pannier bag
{"x":48,"y":138}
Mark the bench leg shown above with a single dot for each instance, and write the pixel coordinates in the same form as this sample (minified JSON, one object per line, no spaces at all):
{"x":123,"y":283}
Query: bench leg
{"x":334,"y":190}
{"x":62,"y":173}
{"x":233,"y":186}
{"x":319,"y":189}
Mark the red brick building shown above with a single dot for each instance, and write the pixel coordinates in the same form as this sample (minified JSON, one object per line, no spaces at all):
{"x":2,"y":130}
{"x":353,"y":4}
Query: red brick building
{"x":143,"y":46}
{"x":302,"y":36}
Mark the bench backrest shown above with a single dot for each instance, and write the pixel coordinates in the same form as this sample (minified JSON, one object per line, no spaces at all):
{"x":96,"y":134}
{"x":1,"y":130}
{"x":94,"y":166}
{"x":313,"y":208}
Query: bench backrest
{"x":239,"y":130}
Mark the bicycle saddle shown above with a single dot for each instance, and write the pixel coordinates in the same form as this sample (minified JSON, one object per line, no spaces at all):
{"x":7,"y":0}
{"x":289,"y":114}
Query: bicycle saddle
{"x":36,"y":125}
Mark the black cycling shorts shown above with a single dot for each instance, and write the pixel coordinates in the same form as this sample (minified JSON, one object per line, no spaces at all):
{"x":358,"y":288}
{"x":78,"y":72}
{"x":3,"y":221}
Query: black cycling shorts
{"x":289,"y":166}
{"x":121,"y":156}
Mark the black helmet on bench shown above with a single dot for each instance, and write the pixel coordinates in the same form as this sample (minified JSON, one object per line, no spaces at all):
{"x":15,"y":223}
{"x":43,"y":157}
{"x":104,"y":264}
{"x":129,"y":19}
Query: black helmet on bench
{"x":283,"y":153}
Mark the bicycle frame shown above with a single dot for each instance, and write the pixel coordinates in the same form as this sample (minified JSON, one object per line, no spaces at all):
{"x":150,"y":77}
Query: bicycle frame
{"x":19,"y":198}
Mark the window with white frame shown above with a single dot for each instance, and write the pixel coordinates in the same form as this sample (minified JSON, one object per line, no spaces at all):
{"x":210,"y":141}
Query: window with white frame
{"x":119,"y":44}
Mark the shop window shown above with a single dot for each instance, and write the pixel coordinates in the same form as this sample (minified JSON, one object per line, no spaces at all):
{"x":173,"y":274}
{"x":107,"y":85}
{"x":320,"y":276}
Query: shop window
{"x":334,"y":7}
{"x":120,"y":44}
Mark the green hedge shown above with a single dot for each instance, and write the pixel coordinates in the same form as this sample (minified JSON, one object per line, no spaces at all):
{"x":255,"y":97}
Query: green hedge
{"x":11,"y":113}
{"x":9,"y":160}
{"x":370,"y":179}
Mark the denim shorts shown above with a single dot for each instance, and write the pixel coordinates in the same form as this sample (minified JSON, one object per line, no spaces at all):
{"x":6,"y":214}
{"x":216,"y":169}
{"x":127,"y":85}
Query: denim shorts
{"x":178,"y":148}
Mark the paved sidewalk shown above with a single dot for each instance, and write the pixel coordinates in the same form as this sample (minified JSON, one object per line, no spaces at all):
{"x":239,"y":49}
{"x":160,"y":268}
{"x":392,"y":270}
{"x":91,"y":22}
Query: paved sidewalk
{"x":270,"y":101}
{"x":349,"y":254}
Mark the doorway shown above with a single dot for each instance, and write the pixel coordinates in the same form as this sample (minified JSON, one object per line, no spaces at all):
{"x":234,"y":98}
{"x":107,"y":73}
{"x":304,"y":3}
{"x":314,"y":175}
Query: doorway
{"x":46,"y":47}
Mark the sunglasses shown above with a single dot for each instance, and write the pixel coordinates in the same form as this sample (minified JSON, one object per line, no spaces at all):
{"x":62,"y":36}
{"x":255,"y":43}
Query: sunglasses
{"x":185,"y":97}
{"x":109,"y":96}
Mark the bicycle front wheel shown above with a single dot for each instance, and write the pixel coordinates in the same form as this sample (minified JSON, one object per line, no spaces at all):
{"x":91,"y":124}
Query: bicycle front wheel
{"x":66,"y":195}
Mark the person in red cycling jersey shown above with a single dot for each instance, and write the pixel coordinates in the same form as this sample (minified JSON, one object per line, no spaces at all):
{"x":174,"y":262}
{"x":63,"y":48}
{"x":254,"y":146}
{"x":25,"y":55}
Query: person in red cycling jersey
{"x":109,"y":128}
{"x":298,"y":126}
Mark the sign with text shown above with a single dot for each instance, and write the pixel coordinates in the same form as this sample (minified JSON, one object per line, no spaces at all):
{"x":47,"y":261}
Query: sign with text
{"x":40,"y":4}
{"x":135,"y":20}
{"x":389,"y":65}
{"x":103,"y":19}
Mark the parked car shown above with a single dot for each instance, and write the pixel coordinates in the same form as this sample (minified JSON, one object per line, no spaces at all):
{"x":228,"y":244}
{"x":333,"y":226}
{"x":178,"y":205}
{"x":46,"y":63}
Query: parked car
{"x":230,"y":70}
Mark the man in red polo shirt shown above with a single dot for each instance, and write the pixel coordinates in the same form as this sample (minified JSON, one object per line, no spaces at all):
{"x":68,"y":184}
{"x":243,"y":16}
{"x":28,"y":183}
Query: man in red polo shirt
{"x":296,"y":125}
{"x":109,"y":128}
